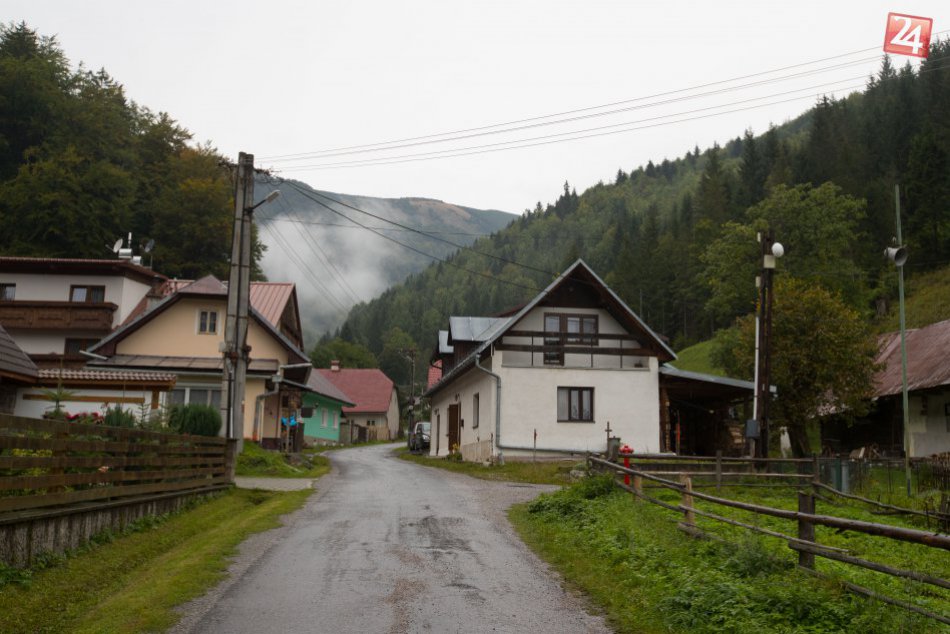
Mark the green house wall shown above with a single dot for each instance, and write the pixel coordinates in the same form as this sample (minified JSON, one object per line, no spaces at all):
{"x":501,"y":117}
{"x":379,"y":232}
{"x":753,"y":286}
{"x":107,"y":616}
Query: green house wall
{"x":324,"y":410}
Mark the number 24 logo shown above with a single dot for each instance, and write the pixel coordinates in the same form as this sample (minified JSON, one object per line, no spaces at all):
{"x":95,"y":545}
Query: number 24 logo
{"x":907,"y":35}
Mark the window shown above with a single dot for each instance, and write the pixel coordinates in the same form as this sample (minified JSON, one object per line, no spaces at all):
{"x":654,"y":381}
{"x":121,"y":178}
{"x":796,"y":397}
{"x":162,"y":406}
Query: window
{"x":73,"y":346}
{"x":324,"y":418}
{"x":475,"y":412}
{"x":336,"y":420}
{"x":88,"y":294}
{"x":371,"y":423}
{"x":7,"y":292}
{"x":195,"y":396}
{"x":575,"y":404}
{"x":208,"y":322}
{"x":570,"y":329}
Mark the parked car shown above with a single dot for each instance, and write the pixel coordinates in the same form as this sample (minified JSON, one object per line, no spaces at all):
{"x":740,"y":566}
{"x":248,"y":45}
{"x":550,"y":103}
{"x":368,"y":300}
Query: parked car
{"x":419,"y":436}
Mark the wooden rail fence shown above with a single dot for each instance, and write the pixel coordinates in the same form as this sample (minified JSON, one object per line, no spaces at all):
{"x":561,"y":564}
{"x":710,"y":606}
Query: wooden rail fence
{"x":804,"y":543}
{"x":54,"y":468}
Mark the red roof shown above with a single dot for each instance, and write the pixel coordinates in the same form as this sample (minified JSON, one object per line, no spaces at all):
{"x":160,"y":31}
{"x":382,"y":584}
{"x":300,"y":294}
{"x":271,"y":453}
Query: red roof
{"x":435,"y":373}
{"x":369,"y":388}
{"x":927,"y":352}
{"x":106,"y":376}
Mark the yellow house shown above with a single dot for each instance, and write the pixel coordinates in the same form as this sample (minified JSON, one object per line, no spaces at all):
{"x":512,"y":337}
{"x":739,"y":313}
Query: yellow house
{"x":182,"y":333}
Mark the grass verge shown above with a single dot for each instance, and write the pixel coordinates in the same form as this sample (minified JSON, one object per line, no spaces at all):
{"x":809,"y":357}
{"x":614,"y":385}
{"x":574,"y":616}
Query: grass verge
{"x":649,"y":577}
{"x":257,"y":462}
{"x":547,"y":472}
{"x":131,"y":582}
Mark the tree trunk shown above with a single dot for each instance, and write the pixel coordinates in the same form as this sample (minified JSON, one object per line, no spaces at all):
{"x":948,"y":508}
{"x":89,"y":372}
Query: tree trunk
{"x":798,"y":436}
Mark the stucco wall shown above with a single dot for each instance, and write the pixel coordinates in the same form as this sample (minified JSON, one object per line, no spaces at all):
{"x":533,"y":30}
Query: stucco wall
{"x":325,"y":422}
{"x":122,"y":291}
{"x":99,"y":399}
{"x":929,"y":423}
{"x":628,"y":399}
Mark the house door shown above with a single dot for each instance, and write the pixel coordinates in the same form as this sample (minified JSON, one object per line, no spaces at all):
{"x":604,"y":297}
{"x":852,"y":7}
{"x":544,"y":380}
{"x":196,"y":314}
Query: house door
{"x":453,"y":426}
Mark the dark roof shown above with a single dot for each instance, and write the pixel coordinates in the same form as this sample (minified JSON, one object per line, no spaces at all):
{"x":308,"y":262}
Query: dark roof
{"x":182,"y":364}
{"x":581,"y":273}
{"x":323,"y":386}
{"x":704,"y":386}
{"x":77,"y":266}
{"x":14,"y":363}
{"x":928,"y":351}
{"x":369,"y":388}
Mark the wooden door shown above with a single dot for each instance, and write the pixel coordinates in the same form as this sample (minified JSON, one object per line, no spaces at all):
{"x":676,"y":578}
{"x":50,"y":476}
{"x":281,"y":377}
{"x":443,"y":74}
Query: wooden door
{"x":453,"y":426}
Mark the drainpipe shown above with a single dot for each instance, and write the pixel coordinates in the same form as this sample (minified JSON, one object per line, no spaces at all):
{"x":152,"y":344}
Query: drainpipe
{"x":501,"y":457}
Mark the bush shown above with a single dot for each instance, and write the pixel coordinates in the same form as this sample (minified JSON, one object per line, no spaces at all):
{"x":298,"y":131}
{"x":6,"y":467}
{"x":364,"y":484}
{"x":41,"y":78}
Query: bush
{"x":118,"y":417}
{"x":200,"y":420}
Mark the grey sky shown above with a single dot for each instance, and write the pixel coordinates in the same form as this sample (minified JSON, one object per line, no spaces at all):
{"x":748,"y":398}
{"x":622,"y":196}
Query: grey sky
{"x":286,"y":77}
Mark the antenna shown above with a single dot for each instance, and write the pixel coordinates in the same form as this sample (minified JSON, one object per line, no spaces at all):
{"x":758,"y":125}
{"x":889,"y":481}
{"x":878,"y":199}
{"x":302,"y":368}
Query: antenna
{"x":117,"y":245}
{"x":149,"y":246}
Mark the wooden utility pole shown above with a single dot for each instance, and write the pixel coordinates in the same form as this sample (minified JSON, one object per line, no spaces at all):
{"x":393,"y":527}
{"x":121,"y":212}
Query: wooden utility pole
{"x":763,"y":342}
{"x":234,"y":348}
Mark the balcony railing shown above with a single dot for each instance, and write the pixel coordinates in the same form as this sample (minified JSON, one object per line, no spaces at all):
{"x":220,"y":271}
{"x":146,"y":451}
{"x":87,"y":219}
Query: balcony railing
{"x":534,"y":348}
{"x":47,"y":315}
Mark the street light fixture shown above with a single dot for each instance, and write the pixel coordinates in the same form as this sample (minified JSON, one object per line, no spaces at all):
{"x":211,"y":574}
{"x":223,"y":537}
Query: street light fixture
{"x":771,"y":251}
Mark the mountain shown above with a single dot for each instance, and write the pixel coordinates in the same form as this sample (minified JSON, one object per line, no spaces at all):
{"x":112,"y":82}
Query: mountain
{"x":314,"y":238}
{"x":677,"y":239}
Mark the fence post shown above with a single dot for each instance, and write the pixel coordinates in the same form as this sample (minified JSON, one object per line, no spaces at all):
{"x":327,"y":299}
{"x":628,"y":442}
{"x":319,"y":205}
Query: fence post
{"x":815,"y":472}
{"x":688,"y":516}
{"x":637,"y":486}
{"x":806,"y":530}
{"x":718,"y":469}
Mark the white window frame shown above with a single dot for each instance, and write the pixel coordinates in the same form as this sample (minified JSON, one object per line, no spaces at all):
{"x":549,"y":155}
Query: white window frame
{"x":211,"y":318}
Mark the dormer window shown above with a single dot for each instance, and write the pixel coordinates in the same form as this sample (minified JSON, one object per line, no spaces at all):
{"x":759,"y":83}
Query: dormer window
{"x":87,"y":294}
{"x":207,"y":322}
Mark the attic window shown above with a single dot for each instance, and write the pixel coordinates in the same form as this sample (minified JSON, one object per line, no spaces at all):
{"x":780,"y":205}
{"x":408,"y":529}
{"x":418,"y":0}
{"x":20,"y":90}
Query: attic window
{"x":208,"y":322}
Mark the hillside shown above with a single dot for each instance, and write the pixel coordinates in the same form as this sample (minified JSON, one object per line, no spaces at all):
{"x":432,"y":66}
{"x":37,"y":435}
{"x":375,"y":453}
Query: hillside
{"x":337,"y":264}
{"x":676,"y":240}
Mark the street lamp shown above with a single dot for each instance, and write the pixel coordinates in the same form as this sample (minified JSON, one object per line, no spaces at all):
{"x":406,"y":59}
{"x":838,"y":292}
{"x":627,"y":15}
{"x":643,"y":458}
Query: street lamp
{"x":897,"y":254}
{"x":771,"y":251}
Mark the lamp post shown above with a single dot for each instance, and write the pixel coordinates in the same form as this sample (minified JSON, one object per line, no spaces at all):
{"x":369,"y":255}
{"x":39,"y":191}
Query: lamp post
{"x":898,"y":255}
{"x":771,"y":251}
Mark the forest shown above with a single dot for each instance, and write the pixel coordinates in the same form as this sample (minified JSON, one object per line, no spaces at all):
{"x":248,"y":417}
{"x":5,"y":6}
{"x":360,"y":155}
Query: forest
{"x":677,"y":239}
{"x":81,"y":166}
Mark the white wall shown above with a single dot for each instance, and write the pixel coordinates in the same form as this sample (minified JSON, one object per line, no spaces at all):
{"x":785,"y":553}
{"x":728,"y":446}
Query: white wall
{"x":929,"y":423}
{"x":122,"y":291}
{"x":36,"y":408}
{"x":628,"y":399}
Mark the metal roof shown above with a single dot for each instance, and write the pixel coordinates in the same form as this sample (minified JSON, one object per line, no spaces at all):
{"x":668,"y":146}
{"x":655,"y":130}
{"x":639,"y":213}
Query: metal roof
{"x":13,"y":361}
{"x":78,"y":266}
{"x":928,"y":351}
{"x":476,"y":329}
{"x":669,"y":370}
{"x":182,"y":364}
{"x":444,"y":347}
{"x":323,"y":386}
{"x":270,"y":299}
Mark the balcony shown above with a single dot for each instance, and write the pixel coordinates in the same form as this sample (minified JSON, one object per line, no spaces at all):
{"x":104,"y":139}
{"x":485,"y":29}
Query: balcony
{"x":47,"y":315}
{"x":527,"y":349}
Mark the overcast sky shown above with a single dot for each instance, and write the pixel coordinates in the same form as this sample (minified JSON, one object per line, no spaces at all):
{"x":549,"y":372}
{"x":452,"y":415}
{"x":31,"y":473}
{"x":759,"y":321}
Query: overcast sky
{"x":281,"y":77}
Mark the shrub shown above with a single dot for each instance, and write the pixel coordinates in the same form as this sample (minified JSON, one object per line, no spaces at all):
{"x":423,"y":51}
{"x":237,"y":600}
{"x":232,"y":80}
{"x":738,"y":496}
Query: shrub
{"x":118,"y":417}
{"x":200,"y":420}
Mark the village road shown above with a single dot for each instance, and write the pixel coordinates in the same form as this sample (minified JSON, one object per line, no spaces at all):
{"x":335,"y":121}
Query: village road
{"x":389,"y":546}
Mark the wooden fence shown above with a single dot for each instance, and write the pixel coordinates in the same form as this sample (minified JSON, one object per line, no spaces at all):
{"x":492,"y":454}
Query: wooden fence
{"x":804,"y":542}
{"x":54,"y":469}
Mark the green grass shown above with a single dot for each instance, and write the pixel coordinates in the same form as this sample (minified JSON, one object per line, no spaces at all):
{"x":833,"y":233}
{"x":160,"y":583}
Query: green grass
{"x":546,"y":472}
{"x":697,"y":358}
{"x":131,"y":583}
{"x":927,"y":301}
{"x":256,"y":462}
{"x":647,"y":576}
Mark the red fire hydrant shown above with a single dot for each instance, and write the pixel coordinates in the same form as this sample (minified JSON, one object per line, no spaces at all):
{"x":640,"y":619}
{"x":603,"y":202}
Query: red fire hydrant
{"x":626,"y":450}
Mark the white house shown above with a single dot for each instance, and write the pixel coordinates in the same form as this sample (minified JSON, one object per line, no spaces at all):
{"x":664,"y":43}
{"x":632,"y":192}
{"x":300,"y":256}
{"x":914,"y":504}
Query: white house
{"x":552,"y":376}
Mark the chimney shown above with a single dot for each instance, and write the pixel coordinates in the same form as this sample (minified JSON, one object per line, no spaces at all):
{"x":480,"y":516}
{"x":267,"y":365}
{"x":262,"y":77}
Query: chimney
{"x":335,"y":365}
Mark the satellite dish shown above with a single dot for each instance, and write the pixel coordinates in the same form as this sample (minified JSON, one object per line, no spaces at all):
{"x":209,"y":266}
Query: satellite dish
{"x":117,"y":245}
{"x":149,"y":246}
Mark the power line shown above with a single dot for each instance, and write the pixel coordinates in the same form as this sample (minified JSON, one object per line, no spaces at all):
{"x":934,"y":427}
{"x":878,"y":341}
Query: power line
{"x":578,"y":117}
{"x":410,"y":247}
{"x":340,"y":225}
{"x":585,"y":109}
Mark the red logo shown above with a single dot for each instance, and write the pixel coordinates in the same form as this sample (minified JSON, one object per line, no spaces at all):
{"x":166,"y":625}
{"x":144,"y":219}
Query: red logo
{"x":907,"y":35}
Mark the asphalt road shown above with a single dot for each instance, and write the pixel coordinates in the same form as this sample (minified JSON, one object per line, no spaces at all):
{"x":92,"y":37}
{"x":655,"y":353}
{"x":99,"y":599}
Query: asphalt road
{"x":389,"y":546}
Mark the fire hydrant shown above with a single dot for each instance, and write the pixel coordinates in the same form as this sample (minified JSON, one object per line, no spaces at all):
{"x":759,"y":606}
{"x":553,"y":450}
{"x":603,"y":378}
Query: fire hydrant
{"x":626,"y":451}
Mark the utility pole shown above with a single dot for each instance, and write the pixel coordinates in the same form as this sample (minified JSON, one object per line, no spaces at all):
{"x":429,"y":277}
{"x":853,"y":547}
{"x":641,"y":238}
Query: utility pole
{"x":411,"y":353}
{"x":899,"y":257}
{"x":234,"y":347}
{"x":771,"y":250}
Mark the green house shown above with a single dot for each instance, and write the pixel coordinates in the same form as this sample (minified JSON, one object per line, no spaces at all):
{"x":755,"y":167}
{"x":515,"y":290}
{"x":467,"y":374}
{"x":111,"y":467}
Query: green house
{"x":322,"y":409}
